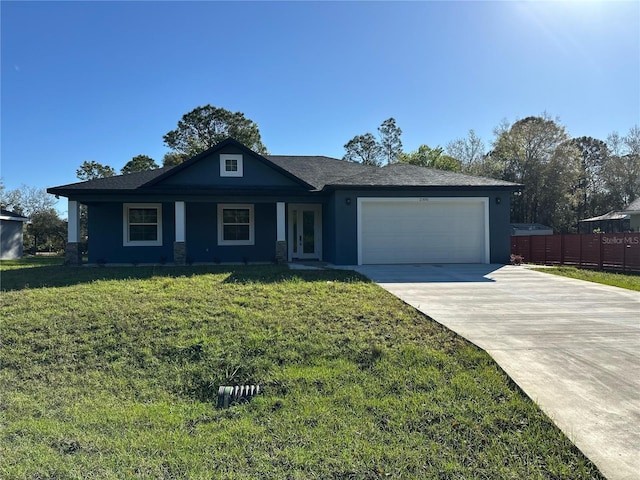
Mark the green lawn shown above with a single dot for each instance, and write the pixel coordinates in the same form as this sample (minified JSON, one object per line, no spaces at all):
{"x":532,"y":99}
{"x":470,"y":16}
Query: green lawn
{"x":113,"y":373}
{"x":629,"y":281}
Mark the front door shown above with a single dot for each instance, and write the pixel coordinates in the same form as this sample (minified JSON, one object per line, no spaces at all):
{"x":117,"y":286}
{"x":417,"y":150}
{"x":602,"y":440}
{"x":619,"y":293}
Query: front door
{"x":305,"y":232}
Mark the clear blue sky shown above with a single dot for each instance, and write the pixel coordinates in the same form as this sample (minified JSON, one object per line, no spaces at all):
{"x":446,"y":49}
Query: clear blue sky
{"x":105,"y":81}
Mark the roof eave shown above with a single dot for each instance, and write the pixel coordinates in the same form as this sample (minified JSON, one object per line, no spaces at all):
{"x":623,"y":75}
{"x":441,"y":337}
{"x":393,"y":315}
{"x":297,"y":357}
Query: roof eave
{"x":515,"y":187}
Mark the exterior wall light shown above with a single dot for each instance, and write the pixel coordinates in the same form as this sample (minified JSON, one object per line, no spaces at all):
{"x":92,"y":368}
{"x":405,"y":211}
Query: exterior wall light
{"x":498,"y":200}
{"x":347,"y":200}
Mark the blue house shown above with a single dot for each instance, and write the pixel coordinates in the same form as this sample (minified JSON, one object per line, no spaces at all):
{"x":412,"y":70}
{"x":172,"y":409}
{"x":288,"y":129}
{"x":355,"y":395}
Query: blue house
{"x":230,"y":204}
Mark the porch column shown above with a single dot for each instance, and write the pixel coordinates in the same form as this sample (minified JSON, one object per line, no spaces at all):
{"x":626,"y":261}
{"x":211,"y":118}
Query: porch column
{"x":72,"y":252}
{"x":180,"y":245}
{"x":281,"y":242}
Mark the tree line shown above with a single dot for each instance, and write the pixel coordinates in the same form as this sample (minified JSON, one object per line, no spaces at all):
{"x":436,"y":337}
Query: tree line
{"x":565,"y":179}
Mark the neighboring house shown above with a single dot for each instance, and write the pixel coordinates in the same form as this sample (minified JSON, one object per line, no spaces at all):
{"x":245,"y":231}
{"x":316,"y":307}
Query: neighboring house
{"x":230,"y":204}
{"x":617,"y":221}
{"x":524,"y":229}
{"x":11,"y":225}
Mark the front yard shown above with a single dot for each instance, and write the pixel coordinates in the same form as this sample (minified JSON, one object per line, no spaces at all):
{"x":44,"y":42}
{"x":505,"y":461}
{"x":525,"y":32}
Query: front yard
{"x":113,"y":373}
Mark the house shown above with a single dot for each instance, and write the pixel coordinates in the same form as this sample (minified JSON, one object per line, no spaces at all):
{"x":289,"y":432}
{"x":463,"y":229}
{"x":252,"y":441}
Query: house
{"x":11,"y":225}
{"x":230,"y":204}
{"x":616,"y":221}
{"x":525,"y":229}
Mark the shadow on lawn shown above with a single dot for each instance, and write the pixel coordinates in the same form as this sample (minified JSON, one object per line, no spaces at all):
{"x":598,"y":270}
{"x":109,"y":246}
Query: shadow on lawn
{"x":63,"y":276}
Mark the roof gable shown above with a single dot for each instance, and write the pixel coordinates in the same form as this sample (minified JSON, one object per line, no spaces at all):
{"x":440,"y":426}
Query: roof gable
{"x":204,"y":170}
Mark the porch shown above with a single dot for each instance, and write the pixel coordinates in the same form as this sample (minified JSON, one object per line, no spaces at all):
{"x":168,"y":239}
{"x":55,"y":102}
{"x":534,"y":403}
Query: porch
{"x":203,"y":230}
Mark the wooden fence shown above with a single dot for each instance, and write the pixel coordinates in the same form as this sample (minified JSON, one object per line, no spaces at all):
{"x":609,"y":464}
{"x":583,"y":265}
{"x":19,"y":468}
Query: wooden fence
{"x":603,"y":251}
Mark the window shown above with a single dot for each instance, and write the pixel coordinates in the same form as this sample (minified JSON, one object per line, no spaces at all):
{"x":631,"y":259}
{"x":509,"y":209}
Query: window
{"x":230,"y":165}
{"x":235,"y":224}
{"x":142,"y":224}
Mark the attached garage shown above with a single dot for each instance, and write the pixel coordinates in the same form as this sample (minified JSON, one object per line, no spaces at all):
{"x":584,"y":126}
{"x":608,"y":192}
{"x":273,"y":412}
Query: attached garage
{"x":423,"y":230}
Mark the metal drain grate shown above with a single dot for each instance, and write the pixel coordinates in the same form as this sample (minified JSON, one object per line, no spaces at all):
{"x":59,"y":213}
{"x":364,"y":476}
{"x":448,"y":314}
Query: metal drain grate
{"x":228,"y":396}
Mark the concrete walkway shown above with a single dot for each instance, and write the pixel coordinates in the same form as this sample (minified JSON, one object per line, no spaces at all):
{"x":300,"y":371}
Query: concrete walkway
{"x":572,"y":346}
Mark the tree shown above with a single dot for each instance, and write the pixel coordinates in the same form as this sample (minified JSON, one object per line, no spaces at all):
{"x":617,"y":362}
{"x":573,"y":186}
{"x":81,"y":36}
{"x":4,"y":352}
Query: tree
{"x":27,"y":200}
{"x":90,"y":170}
{"x":364,"y":149}
{"x":594,"y":154}
{"x":368,"y":150}
{"x":473,"y":158}
{"x":390,"y":143}
{"x":621,"y":172}
{"x":426,"y":156}
{"x":139,"y":163}
{"x":632,"y":141}
{"x":536,"y":153}
{"x":621,"y":177}
{"x":203,"y":127}
{"x":11,"y":199}
{"x":171,"y":159}
{"x":46,"y":232}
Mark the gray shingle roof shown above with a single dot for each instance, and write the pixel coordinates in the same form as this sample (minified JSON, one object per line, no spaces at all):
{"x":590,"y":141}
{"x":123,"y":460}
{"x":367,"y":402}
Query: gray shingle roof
{"x":633,"y":206}
{"x":129,"y":181}
{"x":404,"y":175}
{"x":317,"y":172}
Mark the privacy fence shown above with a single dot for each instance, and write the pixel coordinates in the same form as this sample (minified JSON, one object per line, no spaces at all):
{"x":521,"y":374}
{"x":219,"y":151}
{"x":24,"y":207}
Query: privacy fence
{"x":603,"y":251}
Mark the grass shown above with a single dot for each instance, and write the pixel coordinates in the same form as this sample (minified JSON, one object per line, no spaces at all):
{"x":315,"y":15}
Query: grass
{"x":629,"y":281}
{"x":113,"y":373}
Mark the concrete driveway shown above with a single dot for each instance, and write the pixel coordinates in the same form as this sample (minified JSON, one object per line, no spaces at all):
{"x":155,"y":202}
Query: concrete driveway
{"x":572,"y":346}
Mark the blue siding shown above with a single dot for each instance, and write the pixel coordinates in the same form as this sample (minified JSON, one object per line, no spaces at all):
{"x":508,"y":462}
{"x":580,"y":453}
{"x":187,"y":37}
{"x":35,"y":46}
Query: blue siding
{"x":329,"y":231}
{"x":499,"y":227}
{"x":106,"y":234}
{"x":202,"y":235}
{"x":206,"y":172}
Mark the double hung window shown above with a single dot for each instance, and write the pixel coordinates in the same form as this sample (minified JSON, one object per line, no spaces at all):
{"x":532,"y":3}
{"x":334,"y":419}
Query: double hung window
{"x":142,"y":224}
{"x":235,"y":224}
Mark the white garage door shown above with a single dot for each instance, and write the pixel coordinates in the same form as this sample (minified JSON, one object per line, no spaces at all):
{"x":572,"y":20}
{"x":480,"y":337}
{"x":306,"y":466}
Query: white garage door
{"x":423,"y":230}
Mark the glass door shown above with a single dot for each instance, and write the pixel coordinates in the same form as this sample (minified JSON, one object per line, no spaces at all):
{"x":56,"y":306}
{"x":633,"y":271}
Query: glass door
{"x":305,"y":236}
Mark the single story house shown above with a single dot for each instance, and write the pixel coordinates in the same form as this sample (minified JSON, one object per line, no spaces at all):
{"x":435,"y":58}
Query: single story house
{"x":11,"y":226}
{"x":616,"y":221}
{"x":230,"y":204}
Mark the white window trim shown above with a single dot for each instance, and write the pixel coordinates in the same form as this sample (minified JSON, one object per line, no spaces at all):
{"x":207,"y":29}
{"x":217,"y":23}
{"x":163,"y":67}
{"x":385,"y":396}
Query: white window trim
{"x":125,"y":225}
{"x":221,"y":240}
{"x":230,"y":156}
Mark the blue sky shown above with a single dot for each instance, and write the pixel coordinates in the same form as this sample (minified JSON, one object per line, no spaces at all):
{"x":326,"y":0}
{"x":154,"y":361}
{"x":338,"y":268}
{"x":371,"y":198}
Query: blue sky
{"x":105,"y":81}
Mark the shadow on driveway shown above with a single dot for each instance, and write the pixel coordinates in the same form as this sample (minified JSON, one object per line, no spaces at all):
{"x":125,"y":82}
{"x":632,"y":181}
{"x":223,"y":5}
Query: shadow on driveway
{"x":422,"y":273}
